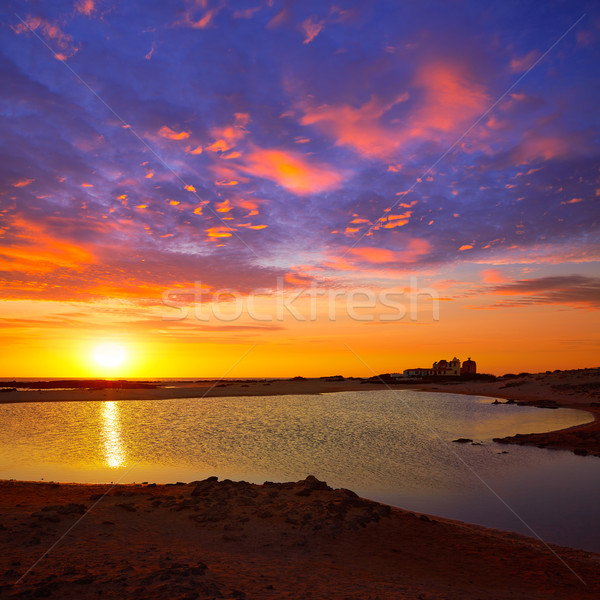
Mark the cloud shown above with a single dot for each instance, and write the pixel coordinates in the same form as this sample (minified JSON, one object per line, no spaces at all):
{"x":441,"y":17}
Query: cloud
{"x":443,"y":98}
{"x":227,"y":137}
{"x":31,"y":248}
{"x":359,"y":128}
{"x":573,"y":290}
{"x":169,"y":134}
{"x":311,"y":28}
{"x":451,"y":99}
{"x":493,"y":276}
{"x":52,"y":32}
{"x":292,"y":171}
{"x":23,"y":183}
{"x":85,"y":7}
{"x":520,"y":64}
{"x":188,"y":20}
{"x":373,"y":255}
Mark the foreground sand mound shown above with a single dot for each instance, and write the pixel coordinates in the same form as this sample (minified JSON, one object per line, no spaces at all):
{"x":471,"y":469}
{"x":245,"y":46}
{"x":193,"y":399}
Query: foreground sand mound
{"x":211,"y":539}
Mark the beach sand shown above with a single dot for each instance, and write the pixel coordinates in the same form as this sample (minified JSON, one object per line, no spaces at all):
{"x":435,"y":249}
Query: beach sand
{"x":237,"y":540}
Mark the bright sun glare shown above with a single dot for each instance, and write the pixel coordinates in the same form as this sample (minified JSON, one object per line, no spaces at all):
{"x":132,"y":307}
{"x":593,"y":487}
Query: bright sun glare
{"x":109,"y":354}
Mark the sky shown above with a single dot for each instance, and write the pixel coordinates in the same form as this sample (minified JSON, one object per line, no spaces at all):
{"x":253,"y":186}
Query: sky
{"x":279,"y":188}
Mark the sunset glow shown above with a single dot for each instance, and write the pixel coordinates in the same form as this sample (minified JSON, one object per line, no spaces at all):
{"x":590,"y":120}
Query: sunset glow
{"x":213,"y":181}
{"x":109,"y":355}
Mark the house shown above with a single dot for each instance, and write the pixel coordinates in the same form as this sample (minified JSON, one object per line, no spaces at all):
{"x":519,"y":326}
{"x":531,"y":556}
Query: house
{"x":418,"y":372}
{"x":444,"y":368}
{"x":469,"y":366}
{"x":447,"y":368}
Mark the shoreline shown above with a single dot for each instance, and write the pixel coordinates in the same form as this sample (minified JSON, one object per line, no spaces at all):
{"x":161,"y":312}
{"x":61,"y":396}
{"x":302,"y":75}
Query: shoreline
{"x":567,"y":389}
{"x":225,"y":539}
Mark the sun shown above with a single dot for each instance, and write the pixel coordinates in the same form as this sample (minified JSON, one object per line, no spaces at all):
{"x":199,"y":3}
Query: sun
{"x":109,"y":354}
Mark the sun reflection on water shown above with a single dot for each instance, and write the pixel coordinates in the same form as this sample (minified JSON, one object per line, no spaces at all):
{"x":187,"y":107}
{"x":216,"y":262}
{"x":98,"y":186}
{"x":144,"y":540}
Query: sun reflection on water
{"x":113,"y":447}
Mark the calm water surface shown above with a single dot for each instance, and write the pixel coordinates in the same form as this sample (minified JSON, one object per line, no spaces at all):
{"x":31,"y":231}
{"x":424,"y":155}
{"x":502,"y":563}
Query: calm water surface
{"x":392,"y":446}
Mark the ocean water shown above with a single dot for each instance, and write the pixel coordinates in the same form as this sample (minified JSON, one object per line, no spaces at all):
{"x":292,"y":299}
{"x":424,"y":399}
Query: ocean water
{"x":392,"y":446}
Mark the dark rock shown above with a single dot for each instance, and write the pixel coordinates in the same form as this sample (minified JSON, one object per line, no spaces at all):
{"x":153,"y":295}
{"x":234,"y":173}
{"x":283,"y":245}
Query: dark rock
{"x":312,"y":483}
{"x":128,"y":506}
{"x":463,"y":440}
{"x":346,"y":493}
{"x":72,"y":509}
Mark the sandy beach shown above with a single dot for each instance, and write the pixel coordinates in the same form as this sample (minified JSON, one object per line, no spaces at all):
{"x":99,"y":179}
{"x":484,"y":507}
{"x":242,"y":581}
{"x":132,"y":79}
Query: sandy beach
{"x":224,"y":539}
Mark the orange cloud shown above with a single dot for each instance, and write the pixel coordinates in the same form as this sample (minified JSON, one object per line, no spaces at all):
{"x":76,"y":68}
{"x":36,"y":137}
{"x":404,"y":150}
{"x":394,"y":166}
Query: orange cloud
{"x":224,"y":207}
{"x":190,"y":188}
{"x":168,"y":133}
{"x":219,"y":232}
{"x":292,"y":171}
{"x":465,"y":247}
{"x":391,"y":221}
{"x":34,"y":250}
{"x":227,"y":137}
{"x":373,"y":255}
{"x":23,"y":182}
{"x":493,"y":276}
{"x":219,"y":146}
{"x":196,"y":150}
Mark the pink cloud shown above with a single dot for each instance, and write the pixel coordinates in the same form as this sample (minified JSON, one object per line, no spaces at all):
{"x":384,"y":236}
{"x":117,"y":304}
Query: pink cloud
{"x":85,"y":7}
{"x":359,"y":128}
{"x":311,"y":28}
{"x":536,"y":146}
{"x":520,"y":64}
{"x":452,"y":98}
{"x":51,"y":32}
{"x":449,"y":99}
{"x":409,"y":251}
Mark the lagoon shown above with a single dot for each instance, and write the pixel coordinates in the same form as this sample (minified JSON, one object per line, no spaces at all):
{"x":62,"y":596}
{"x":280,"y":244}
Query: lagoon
{"x":392,"y":446}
